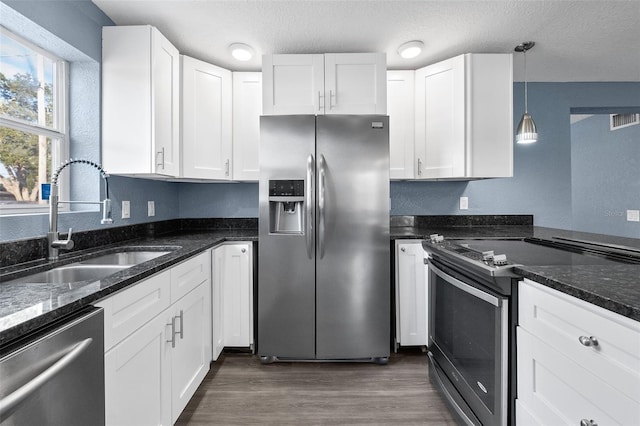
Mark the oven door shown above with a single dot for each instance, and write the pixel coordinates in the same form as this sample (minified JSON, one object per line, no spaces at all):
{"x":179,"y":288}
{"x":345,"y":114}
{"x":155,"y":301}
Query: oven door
{"x":468,"y":345}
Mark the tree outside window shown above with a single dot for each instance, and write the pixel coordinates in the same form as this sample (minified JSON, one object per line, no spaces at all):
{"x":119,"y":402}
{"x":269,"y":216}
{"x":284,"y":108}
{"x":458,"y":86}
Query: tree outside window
{"x":32,"y":125}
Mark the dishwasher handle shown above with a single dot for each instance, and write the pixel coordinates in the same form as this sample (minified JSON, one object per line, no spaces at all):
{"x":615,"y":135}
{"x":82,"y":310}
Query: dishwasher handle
{"x":11,"y":401}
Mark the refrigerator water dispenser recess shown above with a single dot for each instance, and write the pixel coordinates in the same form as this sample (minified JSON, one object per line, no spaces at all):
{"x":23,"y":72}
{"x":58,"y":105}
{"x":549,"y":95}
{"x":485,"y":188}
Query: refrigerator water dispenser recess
{"x":286,"y":206}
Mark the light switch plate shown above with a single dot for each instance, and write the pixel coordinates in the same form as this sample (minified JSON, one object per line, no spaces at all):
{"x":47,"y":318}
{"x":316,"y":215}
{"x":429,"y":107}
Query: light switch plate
{"x":126,"y":210}
{"x":464,"y":203}
{"x":151,"y":208}
{"x":633,"y":215}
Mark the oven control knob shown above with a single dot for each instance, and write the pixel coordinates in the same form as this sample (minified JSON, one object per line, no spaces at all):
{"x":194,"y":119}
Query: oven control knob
{"x":487,"y":255}
{"x":500,"y":259}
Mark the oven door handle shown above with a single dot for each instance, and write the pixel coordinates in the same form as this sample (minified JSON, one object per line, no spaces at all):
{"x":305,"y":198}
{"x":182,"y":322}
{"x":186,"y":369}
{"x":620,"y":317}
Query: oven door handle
{"x":464,"y":286}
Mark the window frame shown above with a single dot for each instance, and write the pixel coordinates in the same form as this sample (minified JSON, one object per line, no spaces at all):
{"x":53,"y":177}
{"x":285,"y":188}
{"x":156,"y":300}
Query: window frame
{"x":59,"y":135}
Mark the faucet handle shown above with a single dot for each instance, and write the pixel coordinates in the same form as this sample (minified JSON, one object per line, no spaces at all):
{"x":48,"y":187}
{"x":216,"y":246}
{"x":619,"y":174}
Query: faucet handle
{"x":64,"y":244}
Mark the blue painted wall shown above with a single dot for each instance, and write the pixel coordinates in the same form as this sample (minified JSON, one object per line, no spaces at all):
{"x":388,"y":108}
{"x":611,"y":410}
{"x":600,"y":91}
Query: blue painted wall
{"x":542,"y":172}
{"x":541,"y":184}
{"x":605,"y":169}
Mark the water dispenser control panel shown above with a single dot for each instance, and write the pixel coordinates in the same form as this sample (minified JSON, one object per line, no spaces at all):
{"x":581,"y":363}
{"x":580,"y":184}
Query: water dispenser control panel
{"x":286,"y":188}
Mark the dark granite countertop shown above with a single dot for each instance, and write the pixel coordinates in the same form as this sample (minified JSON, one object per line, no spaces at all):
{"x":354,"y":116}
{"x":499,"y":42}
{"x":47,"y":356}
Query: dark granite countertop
{"x":613,"y":287}
{"x":27,"y":307}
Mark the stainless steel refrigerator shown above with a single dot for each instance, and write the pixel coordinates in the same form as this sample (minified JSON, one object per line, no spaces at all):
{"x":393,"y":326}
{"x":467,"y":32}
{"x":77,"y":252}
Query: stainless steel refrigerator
{"x":323,"y":270}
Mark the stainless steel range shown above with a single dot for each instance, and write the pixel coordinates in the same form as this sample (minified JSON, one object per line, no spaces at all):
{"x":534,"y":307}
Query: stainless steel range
{"x":473,"y":315}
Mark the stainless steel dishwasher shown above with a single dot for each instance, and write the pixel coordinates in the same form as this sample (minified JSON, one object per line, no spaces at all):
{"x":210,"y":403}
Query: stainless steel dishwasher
{"x":56,"y":377}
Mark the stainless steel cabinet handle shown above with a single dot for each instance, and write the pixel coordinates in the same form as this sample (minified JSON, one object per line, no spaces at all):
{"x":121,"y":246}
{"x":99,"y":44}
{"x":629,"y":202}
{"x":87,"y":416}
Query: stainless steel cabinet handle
{"x":321,"y":205}
{"x":319,"y":101}
{"x":243,"y":250}
{"x":173,"y":332}
{"x":588,"y":341}
{"x":226,"y":168}
{"x":332,"y":96}
{"x":181,"y":316}
{"x":308,"y":205}
{"x":160,"y":163}
{"x":585,"y":422}
{"x":419,"y":167}
{"x":9,"y":402}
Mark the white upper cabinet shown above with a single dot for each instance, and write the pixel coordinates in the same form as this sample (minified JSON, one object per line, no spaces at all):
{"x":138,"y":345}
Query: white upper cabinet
{"x":140,"y":102}
{"x":247,"y":108}
{"x":206,"y":120}
{"x":400,"y":105}
{"x":355,"y":83}
{"x":464,"y":118}
{"x":335,"y":83}
{"x":292,"y":84}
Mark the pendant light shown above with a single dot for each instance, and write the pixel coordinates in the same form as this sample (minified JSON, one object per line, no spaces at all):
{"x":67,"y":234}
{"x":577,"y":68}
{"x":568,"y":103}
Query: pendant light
{"x":526,"y":132}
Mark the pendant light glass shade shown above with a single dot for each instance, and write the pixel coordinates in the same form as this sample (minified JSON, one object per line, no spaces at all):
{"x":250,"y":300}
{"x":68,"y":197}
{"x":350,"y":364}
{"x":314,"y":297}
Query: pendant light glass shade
{"x":526,"y":131}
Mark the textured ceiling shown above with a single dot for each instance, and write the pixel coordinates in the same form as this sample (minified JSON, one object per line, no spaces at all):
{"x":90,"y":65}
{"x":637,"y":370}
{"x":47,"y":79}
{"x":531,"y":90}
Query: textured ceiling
{"x":576,"y":40}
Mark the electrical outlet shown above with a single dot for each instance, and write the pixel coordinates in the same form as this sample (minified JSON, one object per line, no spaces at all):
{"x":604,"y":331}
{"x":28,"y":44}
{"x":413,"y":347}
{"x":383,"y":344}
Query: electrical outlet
{"x":464,"y":203}
{"x":151,"y":208}
{"x":126,"y":209}
{"x":633,"y":215}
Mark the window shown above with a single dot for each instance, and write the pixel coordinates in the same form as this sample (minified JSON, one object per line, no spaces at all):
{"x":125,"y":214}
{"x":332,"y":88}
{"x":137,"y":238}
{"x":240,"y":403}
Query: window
{"x":33,"y":121}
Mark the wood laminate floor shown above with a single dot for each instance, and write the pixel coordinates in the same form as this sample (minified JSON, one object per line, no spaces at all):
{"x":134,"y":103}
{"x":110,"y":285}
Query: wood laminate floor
{"x":240,"y":391}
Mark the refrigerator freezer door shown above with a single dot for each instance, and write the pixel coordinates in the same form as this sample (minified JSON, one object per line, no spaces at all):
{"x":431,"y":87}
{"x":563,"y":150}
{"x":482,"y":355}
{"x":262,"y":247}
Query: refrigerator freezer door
{"x":286,"y":265}
{"x":353,"y":273}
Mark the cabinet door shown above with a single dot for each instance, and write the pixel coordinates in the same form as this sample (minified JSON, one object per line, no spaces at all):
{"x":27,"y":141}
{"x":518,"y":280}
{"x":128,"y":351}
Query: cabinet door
{"x":400,"y":108}
{"x":140,"y":101}
{"x":217,"y":304}
{"x":138,"y":378}
{"x":293,"y":84}
{"x":440,"y":120}
{"x":247,"y":108}
{"x":206,"y":120}
{"x":556,"y":389}
{"x":191,"y":355}
{"x":355,"y":83}
{"x":411,"y":294}
{"x":237,"y":294}
{"x":165,"y":99}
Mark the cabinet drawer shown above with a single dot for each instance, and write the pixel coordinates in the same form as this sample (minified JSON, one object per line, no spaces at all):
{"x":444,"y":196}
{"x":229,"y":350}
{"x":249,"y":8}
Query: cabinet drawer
{"x":128,"y":310}
{"x":189,"y":274}
{"x":560,"y":320}
{"x":557,"y":389}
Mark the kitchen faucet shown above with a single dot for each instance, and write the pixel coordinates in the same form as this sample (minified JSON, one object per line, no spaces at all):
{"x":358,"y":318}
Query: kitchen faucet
{"x":53,"y":239}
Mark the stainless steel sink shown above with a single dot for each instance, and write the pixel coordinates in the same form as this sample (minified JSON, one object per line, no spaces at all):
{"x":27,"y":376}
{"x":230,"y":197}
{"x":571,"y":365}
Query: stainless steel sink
{"x":81,"y":273}
{"x":128,"y":258}
{"x":71,"y":274}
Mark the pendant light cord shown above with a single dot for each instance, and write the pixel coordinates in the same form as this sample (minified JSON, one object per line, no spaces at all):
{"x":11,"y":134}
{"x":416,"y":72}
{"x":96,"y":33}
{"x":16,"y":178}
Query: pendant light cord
{"x":526,"y":103}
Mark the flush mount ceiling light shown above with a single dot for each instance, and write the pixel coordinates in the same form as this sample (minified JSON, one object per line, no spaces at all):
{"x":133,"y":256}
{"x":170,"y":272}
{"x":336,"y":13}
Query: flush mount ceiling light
{"x":410,"y":49}
{"x":241,"y":51}
{"x":527,"y":132}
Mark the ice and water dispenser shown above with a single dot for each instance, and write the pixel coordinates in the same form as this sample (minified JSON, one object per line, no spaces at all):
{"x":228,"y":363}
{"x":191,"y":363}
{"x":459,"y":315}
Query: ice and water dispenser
{"x":286,"y":206}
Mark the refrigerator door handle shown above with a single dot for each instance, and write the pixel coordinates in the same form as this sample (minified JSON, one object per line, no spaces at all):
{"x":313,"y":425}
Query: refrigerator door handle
{"x":308,"y":202}
{"x":321,"y":204}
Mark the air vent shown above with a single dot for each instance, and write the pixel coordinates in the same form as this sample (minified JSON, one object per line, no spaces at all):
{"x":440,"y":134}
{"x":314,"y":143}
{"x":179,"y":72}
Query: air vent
{"x":618,"y":121}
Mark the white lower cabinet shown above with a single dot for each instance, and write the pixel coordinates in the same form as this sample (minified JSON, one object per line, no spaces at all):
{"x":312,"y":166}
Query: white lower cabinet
{"x":411,"y":294}
{"x":233,"y":279}
{"x":191,"y":354}
{"x":152,"y":371}
{"x":137,"y":377}
{"x":577,"y":363}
